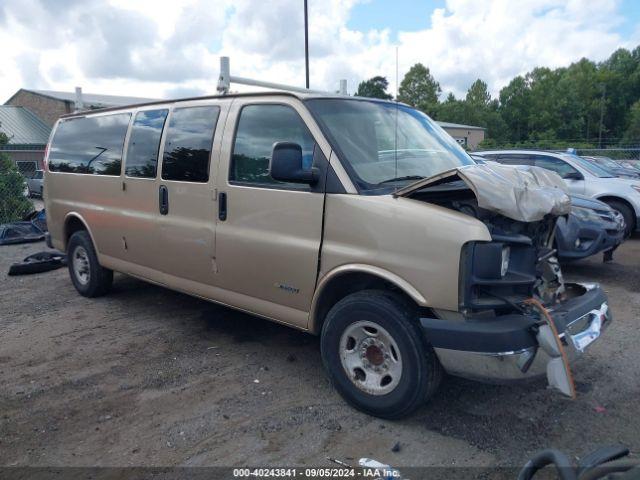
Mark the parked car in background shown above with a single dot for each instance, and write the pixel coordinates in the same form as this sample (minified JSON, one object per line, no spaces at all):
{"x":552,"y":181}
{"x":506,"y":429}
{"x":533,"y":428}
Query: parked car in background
{"x":583,"y":178}
{"x":590,"y":228}
{"x":614,"y":167}
{"x":35,"y":184}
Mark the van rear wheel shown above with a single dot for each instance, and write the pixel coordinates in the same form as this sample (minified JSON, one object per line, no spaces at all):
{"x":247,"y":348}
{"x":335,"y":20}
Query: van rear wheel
{"x":376,"y":355}
{"x":87,"y":275}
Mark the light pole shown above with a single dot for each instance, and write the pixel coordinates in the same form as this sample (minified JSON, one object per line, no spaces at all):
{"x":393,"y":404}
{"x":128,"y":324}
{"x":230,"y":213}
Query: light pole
{"x":306,"y":42}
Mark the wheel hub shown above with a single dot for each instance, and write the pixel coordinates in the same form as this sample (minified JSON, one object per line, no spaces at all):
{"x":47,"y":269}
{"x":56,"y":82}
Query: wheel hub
{"x":370,"y":357}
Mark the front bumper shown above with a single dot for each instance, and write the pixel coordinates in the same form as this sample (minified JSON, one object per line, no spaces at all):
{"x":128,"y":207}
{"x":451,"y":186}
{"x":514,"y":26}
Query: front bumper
{"x":506,"y":349}
{"x":576,"y":240}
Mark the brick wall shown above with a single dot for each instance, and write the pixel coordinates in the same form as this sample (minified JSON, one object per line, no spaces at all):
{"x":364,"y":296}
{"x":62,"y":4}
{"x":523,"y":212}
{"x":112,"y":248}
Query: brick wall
{"x":48,"y":109}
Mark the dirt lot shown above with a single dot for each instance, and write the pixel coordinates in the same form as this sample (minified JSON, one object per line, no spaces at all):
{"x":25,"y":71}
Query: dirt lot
{"x":147,"y":376}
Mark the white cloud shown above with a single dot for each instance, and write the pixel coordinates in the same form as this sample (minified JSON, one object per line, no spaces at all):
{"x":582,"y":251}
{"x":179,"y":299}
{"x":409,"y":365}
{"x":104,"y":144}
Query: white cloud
{"x":148,"y":48}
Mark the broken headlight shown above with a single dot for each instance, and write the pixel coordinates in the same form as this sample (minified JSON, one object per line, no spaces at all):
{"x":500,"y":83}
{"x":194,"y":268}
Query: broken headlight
{"x":495,"y":275}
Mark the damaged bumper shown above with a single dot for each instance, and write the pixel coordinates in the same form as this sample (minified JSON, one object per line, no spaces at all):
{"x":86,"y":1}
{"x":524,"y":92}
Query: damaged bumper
{"x":508,"y":348}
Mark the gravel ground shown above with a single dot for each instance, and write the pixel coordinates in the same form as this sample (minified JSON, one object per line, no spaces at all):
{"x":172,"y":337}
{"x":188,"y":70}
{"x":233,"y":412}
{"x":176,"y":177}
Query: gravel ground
{"x":149,"y":377}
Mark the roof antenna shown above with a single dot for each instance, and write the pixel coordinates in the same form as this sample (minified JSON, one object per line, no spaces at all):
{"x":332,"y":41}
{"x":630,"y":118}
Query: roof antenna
{"x":396,"y":119}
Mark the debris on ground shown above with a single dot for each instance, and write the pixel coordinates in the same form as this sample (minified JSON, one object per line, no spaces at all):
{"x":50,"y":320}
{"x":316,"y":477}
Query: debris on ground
{"x":31,"y":229}
{"x":38,"y":263}
{"x":396,"y":448}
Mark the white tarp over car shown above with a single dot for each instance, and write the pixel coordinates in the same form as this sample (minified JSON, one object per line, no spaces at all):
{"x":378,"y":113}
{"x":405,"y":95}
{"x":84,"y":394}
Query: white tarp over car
{"x":523,"y":193}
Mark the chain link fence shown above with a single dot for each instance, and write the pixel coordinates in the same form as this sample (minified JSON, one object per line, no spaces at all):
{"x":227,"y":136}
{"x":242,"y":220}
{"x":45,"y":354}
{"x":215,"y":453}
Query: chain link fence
{"x":620,"y":155}
{"x":15,"y":203}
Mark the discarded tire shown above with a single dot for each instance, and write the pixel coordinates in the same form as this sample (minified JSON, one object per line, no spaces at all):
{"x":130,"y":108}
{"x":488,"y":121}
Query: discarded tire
{"x":38,"y":263}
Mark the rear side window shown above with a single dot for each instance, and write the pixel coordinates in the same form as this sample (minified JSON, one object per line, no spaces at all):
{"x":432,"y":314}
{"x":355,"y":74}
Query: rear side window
{"x":89,"y":145}
{"x":515,"y":159}
{"x":259,"y":127}
{"x":555,"y":164}
{"x":144,"y":143}
{"x":187,"y":148}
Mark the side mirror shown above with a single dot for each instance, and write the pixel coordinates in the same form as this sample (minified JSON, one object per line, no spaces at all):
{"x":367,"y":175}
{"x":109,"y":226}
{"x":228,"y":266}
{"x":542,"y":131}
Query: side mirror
{"x":573,"y":176}
{"x":286,"y":164}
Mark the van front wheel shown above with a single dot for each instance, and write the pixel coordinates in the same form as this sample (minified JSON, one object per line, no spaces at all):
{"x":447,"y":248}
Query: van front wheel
{"x":376,"y":356}
{"x":87,"y":275}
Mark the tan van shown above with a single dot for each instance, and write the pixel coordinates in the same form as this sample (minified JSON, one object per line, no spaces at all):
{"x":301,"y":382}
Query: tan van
{"x":355,"y":219}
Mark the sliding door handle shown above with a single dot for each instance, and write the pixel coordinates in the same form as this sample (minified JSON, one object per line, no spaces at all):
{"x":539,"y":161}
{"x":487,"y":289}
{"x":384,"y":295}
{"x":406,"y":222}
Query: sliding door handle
{"x":163,"y":200}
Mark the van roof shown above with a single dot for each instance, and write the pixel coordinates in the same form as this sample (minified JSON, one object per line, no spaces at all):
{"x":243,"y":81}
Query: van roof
{"x":299,"y":95}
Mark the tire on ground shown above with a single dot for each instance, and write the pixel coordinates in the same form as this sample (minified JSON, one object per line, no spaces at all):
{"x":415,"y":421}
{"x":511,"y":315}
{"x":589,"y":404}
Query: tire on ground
{"x":99,"y":279}
{"x":421,"y":371}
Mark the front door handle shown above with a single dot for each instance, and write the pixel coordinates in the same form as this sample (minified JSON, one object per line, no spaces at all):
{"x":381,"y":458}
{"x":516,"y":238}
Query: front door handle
{"x":163,"y":200}
{"x":222,"y":206}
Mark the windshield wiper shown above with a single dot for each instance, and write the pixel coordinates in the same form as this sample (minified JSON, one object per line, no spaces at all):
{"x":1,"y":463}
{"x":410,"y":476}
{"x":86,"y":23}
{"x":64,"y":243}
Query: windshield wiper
{"x":400,"y":179}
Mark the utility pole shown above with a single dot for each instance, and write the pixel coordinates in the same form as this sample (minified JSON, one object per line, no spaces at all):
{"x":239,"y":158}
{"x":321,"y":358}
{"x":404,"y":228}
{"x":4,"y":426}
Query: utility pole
{"x":604,"y":89}
{"x":306,"y":42}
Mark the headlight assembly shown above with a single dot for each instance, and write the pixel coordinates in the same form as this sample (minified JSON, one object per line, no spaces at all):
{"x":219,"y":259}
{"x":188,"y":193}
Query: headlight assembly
{"x":585,"y":214}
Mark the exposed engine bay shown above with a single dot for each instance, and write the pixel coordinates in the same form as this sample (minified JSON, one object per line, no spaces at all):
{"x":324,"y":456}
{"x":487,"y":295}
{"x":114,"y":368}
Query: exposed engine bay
{"x":520,"y":208}
{"x":516,"y":276}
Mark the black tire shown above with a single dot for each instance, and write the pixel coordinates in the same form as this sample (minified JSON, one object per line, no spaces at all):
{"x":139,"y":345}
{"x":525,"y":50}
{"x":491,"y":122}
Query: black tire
{"x":94,"y":280}
{"x":628,"y":214}
{"x":421,"y":371}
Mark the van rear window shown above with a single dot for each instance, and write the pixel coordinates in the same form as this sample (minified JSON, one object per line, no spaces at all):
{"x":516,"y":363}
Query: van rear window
{"x":90,"y":145}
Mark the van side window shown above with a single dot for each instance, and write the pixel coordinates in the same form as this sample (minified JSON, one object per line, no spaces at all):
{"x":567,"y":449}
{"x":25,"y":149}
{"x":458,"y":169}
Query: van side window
{"x":259,"y":127}
{"x":144,"y":143}
{"x":555,"y":164}
{"x":187,"y":149}
{"x":89,"y":144}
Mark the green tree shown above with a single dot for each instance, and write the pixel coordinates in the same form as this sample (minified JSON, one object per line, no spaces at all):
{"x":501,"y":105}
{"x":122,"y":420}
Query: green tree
{"x":419,"y":89}
{"x":375,"y":87}
{"x":13,"y":203}
{"x":478,"y":95}
{"x":632,"y":133}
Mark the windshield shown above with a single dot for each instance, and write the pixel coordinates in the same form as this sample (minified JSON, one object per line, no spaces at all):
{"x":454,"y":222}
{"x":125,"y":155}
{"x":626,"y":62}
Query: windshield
{"x":592,"y":167}
{"x":384,"y":146}
{"x":605,"y":161}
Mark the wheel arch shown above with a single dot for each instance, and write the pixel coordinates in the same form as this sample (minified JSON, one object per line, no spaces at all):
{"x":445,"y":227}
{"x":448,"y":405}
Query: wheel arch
{"x":348,"y":279}
{"x":604,"y":198}
{"x":73,"y":222}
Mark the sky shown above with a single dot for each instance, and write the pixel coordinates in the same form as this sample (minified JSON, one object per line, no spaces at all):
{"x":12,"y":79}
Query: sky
{"x":171,"y":49}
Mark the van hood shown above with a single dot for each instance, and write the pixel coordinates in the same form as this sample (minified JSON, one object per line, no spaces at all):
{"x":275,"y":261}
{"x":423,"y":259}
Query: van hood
{"x":525,"y":194}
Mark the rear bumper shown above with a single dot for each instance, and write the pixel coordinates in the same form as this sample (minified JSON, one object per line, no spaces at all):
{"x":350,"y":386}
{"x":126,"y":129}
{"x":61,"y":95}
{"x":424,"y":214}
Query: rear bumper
{"x":506,"y":349}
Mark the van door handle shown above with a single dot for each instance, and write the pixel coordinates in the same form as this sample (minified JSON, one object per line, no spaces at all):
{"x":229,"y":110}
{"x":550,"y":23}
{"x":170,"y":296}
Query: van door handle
{"x":163,"y":200}
{"x":222,"y":206}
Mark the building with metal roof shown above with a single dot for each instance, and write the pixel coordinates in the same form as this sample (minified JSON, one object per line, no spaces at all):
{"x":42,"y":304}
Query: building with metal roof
{"x":469,"y":136}
{"x":27,"y":137}
{"x":49,"y":105}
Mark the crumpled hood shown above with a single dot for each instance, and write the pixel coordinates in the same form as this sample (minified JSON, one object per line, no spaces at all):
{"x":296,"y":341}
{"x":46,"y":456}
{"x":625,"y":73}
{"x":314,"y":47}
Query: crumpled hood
{"x":523,"y":193}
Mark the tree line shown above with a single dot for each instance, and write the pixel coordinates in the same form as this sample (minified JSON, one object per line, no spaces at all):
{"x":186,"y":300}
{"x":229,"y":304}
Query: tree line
{"x":587,"y":104}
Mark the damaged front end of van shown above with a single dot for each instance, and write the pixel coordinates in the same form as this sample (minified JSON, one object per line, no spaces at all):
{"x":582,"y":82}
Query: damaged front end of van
{"x":518,"y":317}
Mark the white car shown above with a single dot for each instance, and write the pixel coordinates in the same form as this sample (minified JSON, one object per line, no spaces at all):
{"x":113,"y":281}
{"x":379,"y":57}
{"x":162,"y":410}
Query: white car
{"x":582,"y":177}
{"x":35,"y":184}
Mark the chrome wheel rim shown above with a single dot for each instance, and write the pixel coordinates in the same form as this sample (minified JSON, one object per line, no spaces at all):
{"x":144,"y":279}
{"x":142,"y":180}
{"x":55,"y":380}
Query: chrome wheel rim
{"x":80,"y":262}
{"x":370,"y":357}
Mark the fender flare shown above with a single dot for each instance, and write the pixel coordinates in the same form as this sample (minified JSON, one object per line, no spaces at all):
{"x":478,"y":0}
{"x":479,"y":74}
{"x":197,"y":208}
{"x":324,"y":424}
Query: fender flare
{"x":381,"y":273}
{"x":79,"y":217}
